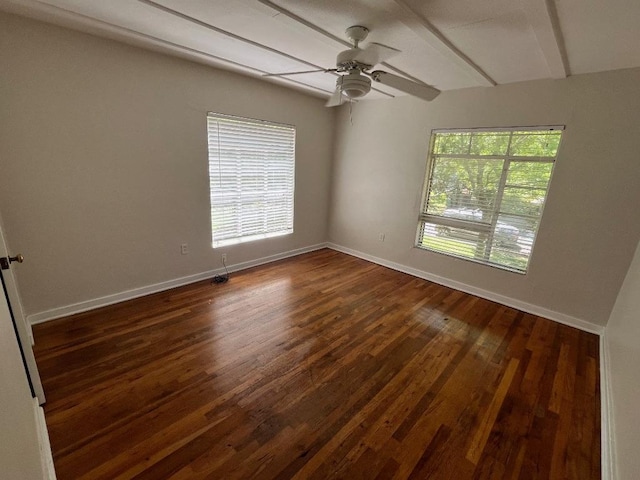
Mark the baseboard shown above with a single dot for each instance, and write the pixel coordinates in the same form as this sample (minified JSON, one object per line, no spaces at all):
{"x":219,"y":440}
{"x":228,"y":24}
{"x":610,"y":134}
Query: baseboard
{"x":607,"y":438}
{"x":46,"y":457}
{"x":160,"y":287}
{"x":606,"y":420}
{"x":479,"y":292}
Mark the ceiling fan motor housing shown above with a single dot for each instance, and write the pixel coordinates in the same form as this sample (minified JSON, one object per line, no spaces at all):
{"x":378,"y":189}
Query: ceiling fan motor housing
{"x":354,"y":85}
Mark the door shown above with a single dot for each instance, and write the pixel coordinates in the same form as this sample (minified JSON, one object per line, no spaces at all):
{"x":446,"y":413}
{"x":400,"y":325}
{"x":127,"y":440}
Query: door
{"x":23,"y":454}
{"x":23,"y":330}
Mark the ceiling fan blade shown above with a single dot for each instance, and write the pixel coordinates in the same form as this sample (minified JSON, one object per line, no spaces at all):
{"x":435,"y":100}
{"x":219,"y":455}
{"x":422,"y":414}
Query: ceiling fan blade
{"x":375,"y":53}
{"x":424,"y":92}
{"x":336,"y":99}
{"x":298,"y":73}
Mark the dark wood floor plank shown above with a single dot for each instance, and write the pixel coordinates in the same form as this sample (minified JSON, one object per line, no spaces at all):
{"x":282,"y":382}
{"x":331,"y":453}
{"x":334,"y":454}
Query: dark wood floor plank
{"x":319,"y":366}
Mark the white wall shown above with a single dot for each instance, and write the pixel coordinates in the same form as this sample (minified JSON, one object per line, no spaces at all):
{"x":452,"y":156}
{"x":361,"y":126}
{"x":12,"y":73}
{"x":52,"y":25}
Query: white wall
{"x":590,"y":225}
{"x":106,"y":151}
{"x":104,"y":162}
{"x":623,"y":344}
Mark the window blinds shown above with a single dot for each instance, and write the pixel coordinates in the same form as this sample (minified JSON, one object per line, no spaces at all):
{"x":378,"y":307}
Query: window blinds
{"x":485,"y":192}
{"x":251,"y":178}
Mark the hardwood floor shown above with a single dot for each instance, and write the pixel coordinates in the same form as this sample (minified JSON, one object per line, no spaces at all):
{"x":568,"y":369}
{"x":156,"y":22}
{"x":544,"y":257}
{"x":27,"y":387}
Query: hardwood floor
{"x":319,"y":366}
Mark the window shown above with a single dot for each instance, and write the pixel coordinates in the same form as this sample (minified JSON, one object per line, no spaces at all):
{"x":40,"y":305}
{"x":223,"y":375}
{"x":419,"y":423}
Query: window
{"x":251,"y":178}
{"x":485,"y":191}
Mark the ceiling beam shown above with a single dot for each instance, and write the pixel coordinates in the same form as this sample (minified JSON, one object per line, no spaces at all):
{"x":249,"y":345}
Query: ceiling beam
{"x":93,"y":26}
{"x":326,"y":35}
{"x":543,"y":17}
{"x":302,"y":21}
{"x":208,"y":26}
{"x":213,"y":28}
{"x":432,"y":36}
{"x":188,"y":18}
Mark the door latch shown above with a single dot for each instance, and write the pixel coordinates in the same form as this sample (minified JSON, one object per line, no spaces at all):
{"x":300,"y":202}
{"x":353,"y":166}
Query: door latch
{"x":5,"y":262}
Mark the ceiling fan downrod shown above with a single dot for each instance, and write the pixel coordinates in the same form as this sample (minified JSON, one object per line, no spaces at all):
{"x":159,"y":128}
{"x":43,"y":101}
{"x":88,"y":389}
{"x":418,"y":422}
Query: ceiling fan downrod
{"x":356,"y":34}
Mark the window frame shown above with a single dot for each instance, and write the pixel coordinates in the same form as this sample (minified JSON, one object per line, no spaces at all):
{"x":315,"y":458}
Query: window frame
{"x":213,"y":163}
{"x":475,"y":226}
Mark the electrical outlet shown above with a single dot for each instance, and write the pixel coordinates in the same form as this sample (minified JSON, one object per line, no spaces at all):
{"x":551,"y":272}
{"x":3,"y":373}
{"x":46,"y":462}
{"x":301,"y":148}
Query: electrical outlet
{"x":381,"y":237}
{"x":184,"y":249}
{"x":224,"y":258}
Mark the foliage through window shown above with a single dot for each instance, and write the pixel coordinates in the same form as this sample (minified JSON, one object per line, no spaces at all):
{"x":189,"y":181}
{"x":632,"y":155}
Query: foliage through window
{"x":485,"y":192}
{"x":251,"y":178}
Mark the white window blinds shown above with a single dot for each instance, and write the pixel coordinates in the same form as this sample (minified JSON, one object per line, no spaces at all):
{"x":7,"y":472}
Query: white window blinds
{"x":251,"y":178}
{"x":485,"y":192}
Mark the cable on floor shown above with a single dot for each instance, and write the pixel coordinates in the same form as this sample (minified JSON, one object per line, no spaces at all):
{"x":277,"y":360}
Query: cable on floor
{"x":222,"y":278}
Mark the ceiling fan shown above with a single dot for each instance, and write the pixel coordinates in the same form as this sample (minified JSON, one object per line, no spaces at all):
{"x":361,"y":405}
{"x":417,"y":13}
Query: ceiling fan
{"x":354,"y":67}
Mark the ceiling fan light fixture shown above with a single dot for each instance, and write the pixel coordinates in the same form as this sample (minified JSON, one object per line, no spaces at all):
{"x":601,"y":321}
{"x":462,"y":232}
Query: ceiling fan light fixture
{"x":354,"y":85}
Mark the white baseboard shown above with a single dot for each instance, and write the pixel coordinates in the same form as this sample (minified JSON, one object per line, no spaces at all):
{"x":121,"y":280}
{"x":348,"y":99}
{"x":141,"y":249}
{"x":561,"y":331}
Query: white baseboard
{"x":606,"y":428}
{"x":607,"y":438}
{"x":46,"y":457}
{"x":479,"y":292}
{"x":159,"y":287}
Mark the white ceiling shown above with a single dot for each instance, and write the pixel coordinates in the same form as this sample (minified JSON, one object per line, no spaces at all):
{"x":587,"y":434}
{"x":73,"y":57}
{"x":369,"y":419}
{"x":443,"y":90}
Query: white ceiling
{"x":449,"y":44}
